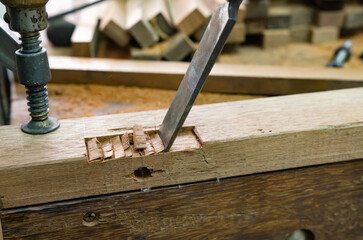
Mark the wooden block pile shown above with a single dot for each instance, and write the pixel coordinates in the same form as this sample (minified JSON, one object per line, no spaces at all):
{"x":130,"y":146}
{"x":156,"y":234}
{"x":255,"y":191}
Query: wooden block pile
{"x":171,"y":29}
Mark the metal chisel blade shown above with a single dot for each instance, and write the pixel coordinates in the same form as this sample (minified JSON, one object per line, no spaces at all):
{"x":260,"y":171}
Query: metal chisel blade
{"x":214,"y":38}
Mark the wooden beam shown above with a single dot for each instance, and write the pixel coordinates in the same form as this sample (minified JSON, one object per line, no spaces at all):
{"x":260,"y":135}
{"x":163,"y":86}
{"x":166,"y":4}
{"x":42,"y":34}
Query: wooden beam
{"x":113,"y":23}
{"x":238,"y":138}
{"x":158,"y":15}
{"x":188,"y":15}
{"x":85,"y":38}
{"x":224,"y":78}
{"x":263,"y":206}
{"x":138,"y":26}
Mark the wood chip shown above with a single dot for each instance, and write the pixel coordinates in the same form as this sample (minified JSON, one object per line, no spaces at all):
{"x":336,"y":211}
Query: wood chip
{"x":128,"y":152}
{"x":93,"y":150}
{"x":118,"y":150}
{"x":149,"y":150}
{"x":157,"y":143}
{"x":125,"y":141}
{"x":135,"y":153}
{"x":139,"y":137}
{"x":107,"y":149}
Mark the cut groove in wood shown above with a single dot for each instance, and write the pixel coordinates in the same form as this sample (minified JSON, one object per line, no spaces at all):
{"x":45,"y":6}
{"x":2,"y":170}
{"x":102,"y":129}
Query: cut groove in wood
{"x":145,"y":143}
{"x":118,"y":150}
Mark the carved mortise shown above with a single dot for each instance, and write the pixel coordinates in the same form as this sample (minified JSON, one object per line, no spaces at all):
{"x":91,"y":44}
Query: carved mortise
{"x":111,"y":147}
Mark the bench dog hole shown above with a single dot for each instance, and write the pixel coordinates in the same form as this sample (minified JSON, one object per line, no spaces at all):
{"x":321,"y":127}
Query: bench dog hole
{"x":143,"y":172}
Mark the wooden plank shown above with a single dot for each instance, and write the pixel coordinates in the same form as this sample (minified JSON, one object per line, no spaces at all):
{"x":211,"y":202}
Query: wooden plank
{"x":264,"y":206}
{"x":138,"y":26}
{"x":238,"y":138}
{"x":257,"y":9}
{"x":273,"y":38}
{"x":300,"y":33}
{"x":324,"y":34}
{"x":301,"y":14}
{"x":224,"y":78}
{"x":188,"y":15}
{"x":113,"y":23}
{"x":255,"y":26}
{"x":85,"y":38}
{"x":353,"y":17}
{"x":178,"y":47}
{"x":330,"y":18}
{"x":278,"y":17}
{"x":158,"y":15}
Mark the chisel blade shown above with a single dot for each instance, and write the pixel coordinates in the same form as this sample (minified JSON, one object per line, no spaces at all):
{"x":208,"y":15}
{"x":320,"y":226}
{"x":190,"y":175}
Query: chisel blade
{"x":213,"y":40}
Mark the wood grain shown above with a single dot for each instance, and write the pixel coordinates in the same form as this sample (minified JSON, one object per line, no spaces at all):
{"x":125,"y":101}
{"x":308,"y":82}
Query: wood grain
{"x":238,"y":138}
{"x":113,"y":23}
{"x":85,"y":38}
{"x":188,"y":15}
{"x":137,"y":25}
{"x":224,"y":78}
{"x":327,"y":200}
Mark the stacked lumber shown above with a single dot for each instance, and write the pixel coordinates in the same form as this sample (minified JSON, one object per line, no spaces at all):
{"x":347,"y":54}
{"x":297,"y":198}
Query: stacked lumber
{"x":171,"y":29}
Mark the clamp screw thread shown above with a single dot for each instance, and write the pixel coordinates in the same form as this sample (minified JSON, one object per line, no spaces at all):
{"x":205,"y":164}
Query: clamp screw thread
{"x":30,"y":43}
{"x":38,"y":102}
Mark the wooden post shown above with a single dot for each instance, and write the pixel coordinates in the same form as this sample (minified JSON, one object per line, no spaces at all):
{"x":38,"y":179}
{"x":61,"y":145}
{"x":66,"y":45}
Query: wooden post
{"x":218,"y":141}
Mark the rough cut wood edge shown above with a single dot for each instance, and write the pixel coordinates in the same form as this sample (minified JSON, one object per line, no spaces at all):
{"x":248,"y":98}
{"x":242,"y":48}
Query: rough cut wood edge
{"x":258,"y":203}
{"x":244,"y":137}
{"x":224,"y":78}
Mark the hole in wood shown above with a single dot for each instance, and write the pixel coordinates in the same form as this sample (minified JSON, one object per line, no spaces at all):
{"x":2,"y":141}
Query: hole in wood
{"x":90,"y":219}
{"x":138,"y":143}
{"x":143,"y":172}
{"x":301,"y":234}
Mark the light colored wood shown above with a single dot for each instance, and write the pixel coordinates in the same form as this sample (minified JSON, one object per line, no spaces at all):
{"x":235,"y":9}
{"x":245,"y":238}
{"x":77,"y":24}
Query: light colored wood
{"x":324,"y":34}
{"x":85,"y":38}
{"x":238,"y":138}
{"x":273,"y":38}
{"x":257,"y":9}
{"x":113,"y":22}
{"x":300,"y":33}
{"x":255,"y":26}
{"x":353,"y":17}
{"x":158,"y":15}
{"x":178,"y":47}
{"x":227,"y":78}
{"x":154,"y":52}
{"x":118,"y":150}
{"x":94,"y":152}
{"x":238,"y":34}
{"x":137,"y":25}
{"x":188,"y":15}
{"x":301,"y":14}
{"x":139,"y":137}
{"x":330,"y":18}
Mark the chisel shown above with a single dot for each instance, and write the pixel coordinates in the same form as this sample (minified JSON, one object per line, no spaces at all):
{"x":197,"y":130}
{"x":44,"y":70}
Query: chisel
{"x":213,"y":40}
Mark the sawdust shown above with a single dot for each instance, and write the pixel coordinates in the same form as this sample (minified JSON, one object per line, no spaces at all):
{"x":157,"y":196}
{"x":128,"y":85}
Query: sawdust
{"x":73,"y":101}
